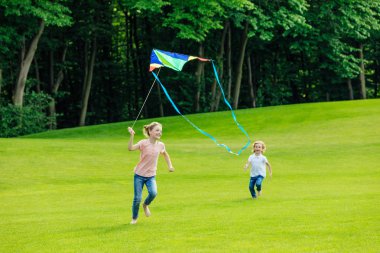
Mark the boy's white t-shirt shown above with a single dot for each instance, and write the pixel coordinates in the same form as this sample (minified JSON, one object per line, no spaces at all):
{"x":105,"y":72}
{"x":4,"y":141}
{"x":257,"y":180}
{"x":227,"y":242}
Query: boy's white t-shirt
{"x":258,"y":165}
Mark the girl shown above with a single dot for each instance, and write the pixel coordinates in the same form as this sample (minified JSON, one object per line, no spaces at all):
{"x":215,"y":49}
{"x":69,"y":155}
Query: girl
{"x":145,"y":170}
{"x":258,"y":163}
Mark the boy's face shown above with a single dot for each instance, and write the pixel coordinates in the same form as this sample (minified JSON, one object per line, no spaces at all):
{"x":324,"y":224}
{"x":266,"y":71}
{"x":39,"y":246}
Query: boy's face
{"x":258,"y":148}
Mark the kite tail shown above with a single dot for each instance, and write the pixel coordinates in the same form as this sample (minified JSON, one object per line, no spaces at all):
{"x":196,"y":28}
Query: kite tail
{"x":232,"y":111}
{"x":196,"y":127}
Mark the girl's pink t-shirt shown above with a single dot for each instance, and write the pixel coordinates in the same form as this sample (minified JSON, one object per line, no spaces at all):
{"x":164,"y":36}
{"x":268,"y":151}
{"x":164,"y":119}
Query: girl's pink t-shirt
{"x":147,"y":166}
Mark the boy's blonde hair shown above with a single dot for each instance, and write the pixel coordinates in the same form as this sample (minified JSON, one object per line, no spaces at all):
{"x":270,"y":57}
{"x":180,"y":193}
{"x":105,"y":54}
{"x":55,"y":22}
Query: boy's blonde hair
{"x":149,"y":127}
{"x":262,"y":144}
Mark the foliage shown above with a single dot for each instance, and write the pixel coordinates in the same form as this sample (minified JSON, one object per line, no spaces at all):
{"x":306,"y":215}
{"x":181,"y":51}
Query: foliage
{"x":300,"y":50}
{"x":29,"y":119}
{"x":53,"y":13}
{"x":194,"y":20}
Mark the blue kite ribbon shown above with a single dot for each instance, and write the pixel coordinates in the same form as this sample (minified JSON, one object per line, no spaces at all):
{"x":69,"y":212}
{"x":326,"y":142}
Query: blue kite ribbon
{"x":202,"y":131}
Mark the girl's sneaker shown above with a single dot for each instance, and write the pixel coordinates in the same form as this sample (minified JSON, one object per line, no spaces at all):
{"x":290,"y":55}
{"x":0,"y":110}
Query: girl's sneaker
{"x":146,"y":210}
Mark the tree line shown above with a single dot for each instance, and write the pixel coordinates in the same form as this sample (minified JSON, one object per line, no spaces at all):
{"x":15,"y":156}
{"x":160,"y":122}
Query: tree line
{"x":68,"y":63}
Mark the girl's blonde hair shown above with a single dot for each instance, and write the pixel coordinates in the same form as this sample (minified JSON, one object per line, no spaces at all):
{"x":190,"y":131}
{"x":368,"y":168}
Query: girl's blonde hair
{"x":262,"y":144}
{"x":149,"y":127}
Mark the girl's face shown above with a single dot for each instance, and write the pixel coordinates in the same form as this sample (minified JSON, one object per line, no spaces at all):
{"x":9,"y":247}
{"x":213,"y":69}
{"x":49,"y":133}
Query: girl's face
{"x":156,"y":132}
{"x":258,"y":148}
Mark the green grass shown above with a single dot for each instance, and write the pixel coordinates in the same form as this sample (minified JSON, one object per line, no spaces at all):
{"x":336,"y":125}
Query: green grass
{"x":71,"y":190}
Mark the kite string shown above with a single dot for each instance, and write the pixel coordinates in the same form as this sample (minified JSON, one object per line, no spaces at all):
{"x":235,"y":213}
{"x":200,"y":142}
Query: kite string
{"x":138,"y":115}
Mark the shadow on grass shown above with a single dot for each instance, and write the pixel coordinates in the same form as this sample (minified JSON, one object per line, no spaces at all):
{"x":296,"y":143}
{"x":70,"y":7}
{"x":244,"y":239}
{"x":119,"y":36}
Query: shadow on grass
{"x":243,"y":200}
{"x":237,"y":202}
{"x":102,"y":230}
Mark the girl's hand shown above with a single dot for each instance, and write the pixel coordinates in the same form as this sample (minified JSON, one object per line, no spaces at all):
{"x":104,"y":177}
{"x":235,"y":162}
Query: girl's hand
{"x":130,"y":130}
{"x":171,"y":169}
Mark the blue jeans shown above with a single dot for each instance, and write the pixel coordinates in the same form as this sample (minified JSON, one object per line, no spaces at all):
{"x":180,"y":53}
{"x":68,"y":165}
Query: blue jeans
{"x":139,"y":182}
{"x":258,"y":180}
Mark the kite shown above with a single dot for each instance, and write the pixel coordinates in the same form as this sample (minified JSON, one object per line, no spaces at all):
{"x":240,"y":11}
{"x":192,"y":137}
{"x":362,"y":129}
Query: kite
{"x":176,"y":62}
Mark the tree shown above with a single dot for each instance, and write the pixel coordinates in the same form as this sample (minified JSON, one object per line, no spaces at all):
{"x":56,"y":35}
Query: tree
{"x":215,"y":95}
{"x":363,"y":19}
{"x":38,"y":14}
{"x":194,"y":20}
{"x":92,"y":24}
{"x":95,"y":65}
{"x":276,"y":22}
{"x":141,"y":24}
{"x":343,"y":26}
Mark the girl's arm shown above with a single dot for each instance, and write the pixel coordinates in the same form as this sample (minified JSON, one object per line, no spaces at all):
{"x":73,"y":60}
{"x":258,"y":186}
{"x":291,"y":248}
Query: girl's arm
{"x":168,"y":161}
{"x":269,"y":168}
{"x":132,"y":147}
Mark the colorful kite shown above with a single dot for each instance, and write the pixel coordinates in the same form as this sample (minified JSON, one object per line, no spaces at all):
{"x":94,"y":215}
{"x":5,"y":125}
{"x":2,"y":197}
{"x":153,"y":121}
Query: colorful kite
{"x":176,"y":61}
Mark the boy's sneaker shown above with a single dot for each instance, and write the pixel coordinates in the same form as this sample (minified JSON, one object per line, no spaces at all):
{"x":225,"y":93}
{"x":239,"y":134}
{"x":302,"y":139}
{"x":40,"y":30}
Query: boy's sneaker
{"x":134,"y":221}
{"x":259,"y":193}
{"x":146,"y":210}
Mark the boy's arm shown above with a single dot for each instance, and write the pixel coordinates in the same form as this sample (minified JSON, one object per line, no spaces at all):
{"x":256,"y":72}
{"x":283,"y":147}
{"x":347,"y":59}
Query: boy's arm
{"x":168,"y":161}
{"x":246,"y":165}
{"x":269,"y":168}
{"x":132,"y":146}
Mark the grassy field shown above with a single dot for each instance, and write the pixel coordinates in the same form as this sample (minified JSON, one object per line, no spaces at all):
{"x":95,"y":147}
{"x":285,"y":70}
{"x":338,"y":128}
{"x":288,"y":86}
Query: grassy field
{"x":71,"y":190}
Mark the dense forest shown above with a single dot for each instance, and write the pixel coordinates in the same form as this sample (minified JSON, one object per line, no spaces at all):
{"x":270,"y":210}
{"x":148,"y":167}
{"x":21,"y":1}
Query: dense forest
{"x":68,"y":63}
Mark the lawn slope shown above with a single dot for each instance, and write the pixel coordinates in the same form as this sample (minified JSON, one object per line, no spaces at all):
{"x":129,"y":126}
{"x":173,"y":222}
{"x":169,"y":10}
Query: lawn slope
{"x":71,"y":190}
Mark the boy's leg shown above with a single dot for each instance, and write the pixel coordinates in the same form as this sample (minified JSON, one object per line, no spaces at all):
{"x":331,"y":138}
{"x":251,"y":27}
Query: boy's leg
{"x":151,"y":185}
{"x":138,"y":187}
{"x":259,"y":183}
{"x":252,"y":183}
